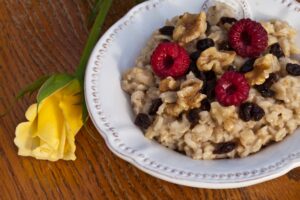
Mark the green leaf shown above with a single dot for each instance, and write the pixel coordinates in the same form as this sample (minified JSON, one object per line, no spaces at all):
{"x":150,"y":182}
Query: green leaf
{"x":29,"y":89}
{"x":32,"y":87}
{"x":54,"y":83}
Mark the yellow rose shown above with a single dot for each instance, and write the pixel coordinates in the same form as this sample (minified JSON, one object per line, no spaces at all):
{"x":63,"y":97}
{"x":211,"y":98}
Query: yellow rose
{"x":50,"y":131}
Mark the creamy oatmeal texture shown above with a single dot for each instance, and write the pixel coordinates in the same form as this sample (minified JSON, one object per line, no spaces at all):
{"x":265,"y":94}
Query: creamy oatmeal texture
{"x":219,"y":125}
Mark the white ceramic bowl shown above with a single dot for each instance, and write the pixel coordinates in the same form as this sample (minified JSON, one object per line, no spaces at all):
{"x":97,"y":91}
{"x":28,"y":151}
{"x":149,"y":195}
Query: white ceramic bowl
{"x":110,"y":110}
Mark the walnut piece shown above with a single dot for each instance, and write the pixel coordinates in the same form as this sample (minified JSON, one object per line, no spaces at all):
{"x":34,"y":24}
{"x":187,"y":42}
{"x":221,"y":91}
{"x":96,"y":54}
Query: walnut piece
{"x":169,"y":97}
{"x":263,"y":67}
{"x":188,"y":97}
{"x":189,"y":27}
{"x":168,"y":84}
{"x":212,"y":59}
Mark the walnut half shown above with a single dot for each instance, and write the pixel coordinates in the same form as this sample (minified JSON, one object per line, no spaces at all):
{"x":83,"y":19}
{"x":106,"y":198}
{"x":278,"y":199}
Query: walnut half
{"x":212,"y":59}
{"x":188,"y":97}
{"x":189,"y":27}
{"x":263,"y":67}
{"x":168,"y":84}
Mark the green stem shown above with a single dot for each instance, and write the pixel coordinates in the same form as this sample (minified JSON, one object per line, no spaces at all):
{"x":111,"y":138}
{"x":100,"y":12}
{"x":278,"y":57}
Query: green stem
{"x":92,"y":40}
{"x":94,"y":12}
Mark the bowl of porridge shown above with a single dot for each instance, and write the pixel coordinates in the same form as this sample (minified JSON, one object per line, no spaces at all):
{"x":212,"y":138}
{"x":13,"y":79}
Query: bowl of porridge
{"x":205,"y":94}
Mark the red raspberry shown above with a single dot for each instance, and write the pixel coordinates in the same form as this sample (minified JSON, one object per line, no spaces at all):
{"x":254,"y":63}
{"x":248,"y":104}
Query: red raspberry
{"x":170,"y":59}
{"x":232,"y":89}
{"x":248,"y":38}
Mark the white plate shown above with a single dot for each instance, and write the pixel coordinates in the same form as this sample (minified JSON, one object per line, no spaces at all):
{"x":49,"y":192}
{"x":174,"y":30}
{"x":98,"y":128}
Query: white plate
{"x":110,"y":110}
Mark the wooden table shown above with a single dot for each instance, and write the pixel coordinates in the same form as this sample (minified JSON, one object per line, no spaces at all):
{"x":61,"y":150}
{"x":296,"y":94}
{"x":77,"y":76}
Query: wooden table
{"x":43,"y":36}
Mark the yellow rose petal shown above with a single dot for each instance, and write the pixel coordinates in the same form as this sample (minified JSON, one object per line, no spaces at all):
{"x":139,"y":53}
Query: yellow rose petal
{"x":23,"y":139}
{"x":31,"y":112}
{"x":50,"y":122}
{"x":72,"y":112}
{"x":50,"y":131}
{"x":45,"y":152}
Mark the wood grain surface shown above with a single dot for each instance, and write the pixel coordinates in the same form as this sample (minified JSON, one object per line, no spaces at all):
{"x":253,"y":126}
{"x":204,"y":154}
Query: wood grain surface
{"x":39,"y":37}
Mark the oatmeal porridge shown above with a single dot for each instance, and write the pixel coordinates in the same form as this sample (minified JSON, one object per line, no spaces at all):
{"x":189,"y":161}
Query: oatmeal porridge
{"x":212,"y":86}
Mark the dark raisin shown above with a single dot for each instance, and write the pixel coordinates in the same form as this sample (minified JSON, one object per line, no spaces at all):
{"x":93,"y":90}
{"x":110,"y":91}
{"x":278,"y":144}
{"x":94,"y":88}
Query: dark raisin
{"x":156,"y":103}
{"x":205,"y":105}
{"x":199,"y":74}
{"x":209,"y":85}
{"x":232,"y":68}
{"x":225,"y":147}
{"x":251,"y":111}
{"x":225,"y":47}
{"x":245,"y":111}
{"x":193,"y":116}
{"x":227,"y":20}
{"x":247,"y":66}
{"x":293,"y":69}
{"x":167,"y":30}
{"x":209,"y":90}
{"x":276,"y":50}
{"x":195,"y":55}
{"x":273,"y":78}
{"x":257,"y":112}
{"x":267,"y":93}
{"x":264,"y":91}
{"x":210,"y":75}
{"x":205,"y":44}
{"x":143,"y":121}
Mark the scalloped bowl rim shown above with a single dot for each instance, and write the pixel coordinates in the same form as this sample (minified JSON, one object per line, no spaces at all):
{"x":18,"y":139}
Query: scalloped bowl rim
{"x":293,"y":161}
